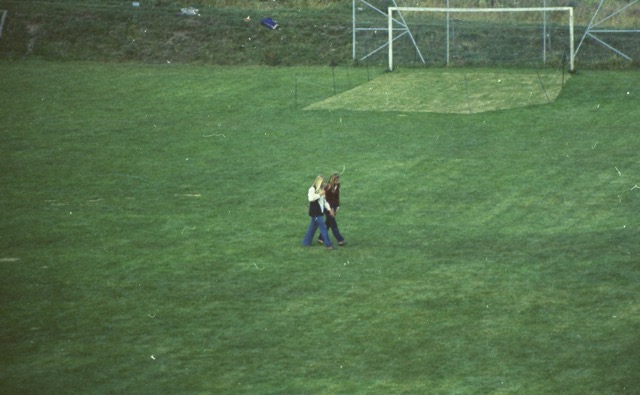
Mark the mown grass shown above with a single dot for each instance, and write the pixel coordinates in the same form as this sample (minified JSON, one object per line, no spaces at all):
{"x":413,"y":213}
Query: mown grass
{"x":150,"y":237}
{"x":450,"y":92}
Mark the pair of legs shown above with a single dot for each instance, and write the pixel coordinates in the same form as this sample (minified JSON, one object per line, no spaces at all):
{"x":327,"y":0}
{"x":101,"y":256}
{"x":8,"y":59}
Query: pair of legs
{"x":315,"y":224}
{"x":331,"y":223}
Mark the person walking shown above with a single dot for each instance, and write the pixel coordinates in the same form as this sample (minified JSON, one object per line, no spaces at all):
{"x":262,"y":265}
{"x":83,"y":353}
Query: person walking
{"x":317,"y":207}
{"x":332,"y":196}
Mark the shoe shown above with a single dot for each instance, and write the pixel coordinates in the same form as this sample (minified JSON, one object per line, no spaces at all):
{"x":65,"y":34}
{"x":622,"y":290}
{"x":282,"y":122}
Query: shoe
{"x":342,"y":243}
{"x":330,"y":248}
{"x":320,"y":241}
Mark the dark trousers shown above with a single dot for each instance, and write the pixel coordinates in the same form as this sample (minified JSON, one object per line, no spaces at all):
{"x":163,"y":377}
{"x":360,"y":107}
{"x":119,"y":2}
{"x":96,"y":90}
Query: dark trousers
{"x":332,"y":224}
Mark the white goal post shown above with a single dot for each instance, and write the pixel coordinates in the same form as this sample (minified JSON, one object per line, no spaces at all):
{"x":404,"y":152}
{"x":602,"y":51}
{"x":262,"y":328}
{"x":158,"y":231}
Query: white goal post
{"x":393,"y":10}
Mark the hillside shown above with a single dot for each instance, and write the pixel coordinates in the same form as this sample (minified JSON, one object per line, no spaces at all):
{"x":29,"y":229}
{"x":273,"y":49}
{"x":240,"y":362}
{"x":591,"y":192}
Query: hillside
{"x":157,"y":33}
{"x":229,"y":32}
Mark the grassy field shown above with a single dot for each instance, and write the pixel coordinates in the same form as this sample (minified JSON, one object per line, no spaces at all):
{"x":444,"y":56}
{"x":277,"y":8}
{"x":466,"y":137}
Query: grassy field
{"x":452,"y":91}
{"x":152,"y":219}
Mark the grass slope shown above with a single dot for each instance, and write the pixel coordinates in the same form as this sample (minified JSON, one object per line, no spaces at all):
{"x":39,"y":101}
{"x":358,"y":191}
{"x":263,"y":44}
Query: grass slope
{"x":311,"y":32}
{"x":154,"y":33}
{"x":152,"y":218}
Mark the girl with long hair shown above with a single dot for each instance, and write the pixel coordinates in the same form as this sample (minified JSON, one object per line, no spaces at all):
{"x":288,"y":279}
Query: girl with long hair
{"x":332,"y":196}
{"x":317,"y":206}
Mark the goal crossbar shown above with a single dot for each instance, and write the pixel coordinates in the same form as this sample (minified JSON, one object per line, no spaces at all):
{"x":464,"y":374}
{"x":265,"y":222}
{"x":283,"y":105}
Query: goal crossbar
{"x":391,"y":10}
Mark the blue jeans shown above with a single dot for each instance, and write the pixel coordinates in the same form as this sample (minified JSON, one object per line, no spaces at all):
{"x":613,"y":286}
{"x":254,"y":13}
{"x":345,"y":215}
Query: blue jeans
{"x":316,"y":222}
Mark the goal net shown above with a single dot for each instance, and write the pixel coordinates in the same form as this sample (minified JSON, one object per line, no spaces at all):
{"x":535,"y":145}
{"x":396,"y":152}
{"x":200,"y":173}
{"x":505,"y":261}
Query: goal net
{"x":523,"y":37}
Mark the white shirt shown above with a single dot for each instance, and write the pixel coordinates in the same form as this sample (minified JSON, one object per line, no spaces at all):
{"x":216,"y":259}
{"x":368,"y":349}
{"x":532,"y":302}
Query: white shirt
{"x":313,"y":196}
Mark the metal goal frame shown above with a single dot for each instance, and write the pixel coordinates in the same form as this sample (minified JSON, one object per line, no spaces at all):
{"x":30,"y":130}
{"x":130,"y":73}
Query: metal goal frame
{"x":393,"y":10}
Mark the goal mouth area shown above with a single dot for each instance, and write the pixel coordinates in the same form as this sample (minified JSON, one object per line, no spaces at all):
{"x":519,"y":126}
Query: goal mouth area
{"x":450,"y":91}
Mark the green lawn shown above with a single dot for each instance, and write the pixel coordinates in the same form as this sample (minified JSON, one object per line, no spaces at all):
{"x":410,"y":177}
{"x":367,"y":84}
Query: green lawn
{"x":152,"y":219}
{"x":457,"y":91}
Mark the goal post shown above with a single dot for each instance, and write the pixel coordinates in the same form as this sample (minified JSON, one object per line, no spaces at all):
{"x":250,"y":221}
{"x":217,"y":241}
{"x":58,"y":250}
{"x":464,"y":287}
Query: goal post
{"x":448,"y":11}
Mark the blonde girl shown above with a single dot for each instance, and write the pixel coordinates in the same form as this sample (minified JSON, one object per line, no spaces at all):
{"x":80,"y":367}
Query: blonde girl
{"x":317,"y":207}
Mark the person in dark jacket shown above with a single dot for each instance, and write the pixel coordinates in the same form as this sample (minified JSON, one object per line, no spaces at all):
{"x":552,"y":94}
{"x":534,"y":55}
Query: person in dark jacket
{"x":332,"y":196}
{"x":317,"y":207}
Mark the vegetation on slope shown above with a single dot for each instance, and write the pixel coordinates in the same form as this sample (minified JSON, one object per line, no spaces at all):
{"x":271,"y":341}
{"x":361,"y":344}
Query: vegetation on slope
{"x":228,"y":32}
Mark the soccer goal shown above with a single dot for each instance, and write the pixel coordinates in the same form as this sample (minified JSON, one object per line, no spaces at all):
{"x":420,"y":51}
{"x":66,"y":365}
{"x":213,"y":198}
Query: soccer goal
{"x":487,"y":36}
